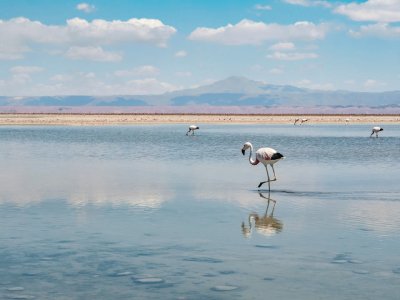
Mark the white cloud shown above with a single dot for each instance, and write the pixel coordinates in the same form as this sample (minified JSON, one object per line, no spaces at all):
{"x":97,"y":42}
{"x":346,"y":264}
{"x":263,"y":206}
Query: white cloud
{"x":283,"y":46}
{"x":85,"y":7}
{"x":262,"y":7}
{"x":61,"y":77}
{"x":309,"y":3}
{"x":25,"y":69}
{"x":183,"y":74}
{"x":149,"y":86}
{"x":248,"y":32}
{"x":371,"y":84}
{"x":276,"y":71}
{"x":141,"y":71}
{"x":383,"y":11}
{"x":306,"y":83}
{"x":19,"y":34}
{"x":277,"y":55}
{"x":92,"y":53}
{"x":82,"y":83}
{"x":181,"y":53}
{"x":378,"y":30}
{"x":350,"y":82}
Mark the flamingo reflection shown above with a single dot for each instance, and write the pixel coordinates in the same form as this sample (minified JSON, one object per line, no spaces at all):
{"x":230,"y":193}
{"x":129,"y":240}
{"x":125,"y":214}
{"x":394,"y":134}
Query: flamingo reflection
{"x":265,"y":224}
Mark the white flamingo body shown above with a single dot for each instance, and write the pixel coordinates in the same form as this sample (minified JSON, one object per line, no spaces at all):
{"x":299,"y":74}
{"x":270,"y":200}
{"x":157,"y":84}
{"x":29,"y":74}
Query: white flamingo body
{"x":375,"y":130}
{"x":192,"y":128}
{"x":264,"y":155}
{"x":303,"y":121}
{"x":267,"y":156}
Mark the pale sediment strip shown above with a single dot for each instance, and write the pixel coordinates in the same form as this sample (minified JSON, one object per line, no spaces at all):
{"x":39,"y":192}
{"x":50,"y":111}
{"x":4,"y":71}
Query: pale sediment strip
{"x":127,"y":119}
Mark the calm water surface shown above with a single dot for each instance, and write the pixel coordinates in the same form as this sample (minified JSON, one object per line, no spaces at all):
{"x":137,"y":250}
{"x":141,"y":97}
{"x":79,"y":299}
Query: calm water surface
{"x":145,"y":212}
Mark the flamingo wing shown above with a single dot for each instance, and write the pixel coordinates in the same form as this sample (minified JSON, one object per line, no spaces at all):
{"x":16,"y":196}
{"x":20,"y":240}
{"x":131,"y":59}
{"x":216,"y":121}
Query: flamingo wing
{"x":265,"y":154}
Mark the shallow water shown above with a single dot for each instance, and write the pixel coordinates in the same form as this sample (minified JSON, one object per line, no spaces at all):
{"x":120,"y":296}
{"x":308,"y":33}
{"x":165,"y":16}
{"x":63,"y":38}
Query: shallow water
{"x":145,"y":212}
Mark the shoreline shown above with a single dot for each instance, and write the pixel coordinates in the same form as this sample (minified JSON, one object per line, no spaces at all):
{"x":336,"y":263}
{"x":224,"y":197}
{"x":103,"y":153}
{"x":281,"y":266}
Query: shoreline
{"x":153,"y":118}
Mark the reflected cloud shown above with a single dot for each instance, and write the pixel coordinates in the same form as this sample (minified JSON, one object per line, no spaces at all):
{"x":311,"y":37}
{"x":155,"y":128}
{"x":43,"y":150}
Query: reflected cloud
{"x":379,"y":216}
{"x":81,"y":184}
{"x":265,"y":224}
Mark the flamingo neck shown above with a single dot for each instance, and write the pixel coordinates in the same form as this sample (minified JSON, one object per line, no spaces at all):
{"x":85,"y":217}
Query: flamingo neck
{"x":251,"y":160}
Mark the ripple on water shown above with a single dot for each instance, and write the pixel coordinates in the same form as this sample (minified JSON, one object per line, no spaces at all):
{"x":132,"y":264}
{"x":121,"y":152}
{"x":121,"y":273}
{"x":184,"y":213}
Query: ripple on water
{"x":396,"y":270}
{"x":15,"y":289}
{"x":224,"y":288}
{"x":204,"y":260}
{"x":148,"y":280}
{"x":31,"y":273}
{"x":268,"y":278}
{"x":361,"y":272}
{"x":339,"y":261}
{"x":227,"y":272}
{"x":19,"y":297}
{"x":121,"y":274}
{"x":266,"y":246}
{"x":343,"y":258}
{"x":355,"y":261}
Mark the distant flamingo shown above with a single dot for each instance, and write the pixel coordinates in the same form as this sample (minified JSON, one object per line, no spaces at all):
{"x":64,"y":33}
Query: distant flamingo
{"x":295,"y":121}
{"x":267,"y":156}
{"x":192,"y":128}
{"x":376,"y":130}
{"x":303,"y":121}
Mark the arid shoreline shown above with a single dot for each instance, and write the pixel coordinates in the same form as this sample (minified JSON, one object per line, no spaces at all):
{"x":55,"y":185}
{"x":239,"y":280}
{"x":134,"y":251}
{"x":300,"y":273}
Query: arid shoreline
{"x":127,"y":119}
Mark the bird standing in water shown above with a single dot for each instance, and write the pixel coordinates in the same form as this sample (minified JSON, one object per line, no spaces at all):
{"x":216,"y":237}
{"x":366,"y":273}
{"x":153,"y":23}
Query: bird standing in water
{"x":192,"y":128}
{"x":267,"y":156}
{"x":376,"y":130}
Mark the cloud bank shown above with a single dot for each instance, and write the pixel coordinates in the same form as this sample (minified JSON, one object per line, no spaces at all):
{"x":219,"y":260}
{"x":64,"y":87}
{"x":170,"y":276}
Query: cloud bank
{"x":20,"y":34}
{"x":382,"y":11}
{"x":248,"y":32}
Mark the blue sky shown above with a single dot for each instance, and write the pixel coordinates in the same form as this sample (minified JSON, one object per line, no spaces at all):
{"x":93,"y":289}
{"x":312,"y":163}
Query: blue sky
{"x":153,"y":46}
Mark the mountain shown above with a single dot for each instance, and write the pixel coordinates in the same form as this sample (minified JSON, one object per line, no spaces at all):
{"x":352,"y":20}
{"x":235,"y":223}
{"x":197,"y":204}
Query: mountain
{"x":232,"y":91}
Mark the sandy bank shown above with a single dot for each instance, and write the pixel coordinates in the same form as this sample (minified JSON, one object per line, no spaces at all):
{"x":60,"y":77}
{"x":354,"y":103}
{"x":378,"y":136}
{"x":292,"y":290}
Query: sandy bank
{"x":126,"y":119}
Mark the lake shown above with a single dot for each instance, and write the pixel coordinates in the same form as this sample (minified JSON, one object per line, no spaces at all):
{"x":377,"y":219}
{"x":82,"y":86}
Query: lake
{"x":145,"y":212}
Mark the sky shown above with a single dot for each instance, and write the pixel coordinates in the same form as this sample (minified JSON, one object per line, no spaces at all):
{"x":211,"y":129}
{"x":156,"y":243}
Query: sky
{"x":137,"y":47}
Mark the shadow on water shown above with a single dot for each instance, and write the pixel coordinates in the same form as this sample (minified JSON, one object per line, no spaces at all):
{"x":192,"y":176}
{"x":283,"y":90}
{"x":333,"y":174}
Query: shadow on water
{"x":265,"y":224}
{"x":338,"y":195}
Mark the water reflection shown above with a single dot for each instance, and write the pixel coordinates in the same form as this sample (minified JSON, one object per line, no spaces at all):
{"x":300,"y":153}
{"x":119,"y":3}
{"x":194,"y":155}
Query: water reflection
{"x":265,"y":224}
{"x":82,"y":183}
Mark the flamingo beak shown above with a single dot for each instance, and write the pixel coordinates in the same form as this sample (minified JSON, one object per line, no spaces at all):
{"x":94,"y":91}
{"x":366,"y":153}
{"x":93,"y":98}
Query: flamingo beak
{"x":243,"y":151}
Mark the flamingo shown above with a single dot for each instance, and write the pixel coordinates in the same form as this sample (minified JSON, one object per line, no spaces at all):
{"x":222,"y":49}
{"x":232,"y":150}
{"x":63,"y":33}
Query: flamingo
{"x":376,"y":130}
{"x":303,"y":121}
{"x":267,"y":156}
{"x":192,"y":128}
{"x":295,"y":121}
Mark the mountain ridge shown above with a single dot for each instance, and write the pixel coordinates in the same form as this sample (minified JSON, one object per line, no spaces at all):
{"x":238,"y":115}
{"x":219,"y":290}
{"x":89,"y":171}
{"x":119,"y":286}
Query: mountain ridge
{"x":231,"y":91}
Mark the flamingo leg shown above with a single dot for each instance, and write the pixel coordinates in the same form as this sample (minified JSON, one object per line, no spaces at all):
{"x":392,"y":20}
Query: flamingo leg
{"x":262,"y":182}
{"x":272,"y":166}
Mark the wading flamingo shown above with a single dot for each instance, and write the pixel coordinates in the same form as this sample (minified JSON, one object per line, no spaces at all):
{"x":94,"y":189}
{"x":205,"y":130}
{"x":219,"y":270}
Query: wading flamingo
{"x":295,"y":121}
{"x":376,"y":130}
{"x":267,"y":156}
{"x":192,"y":128}
{"x":303,"y":121}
